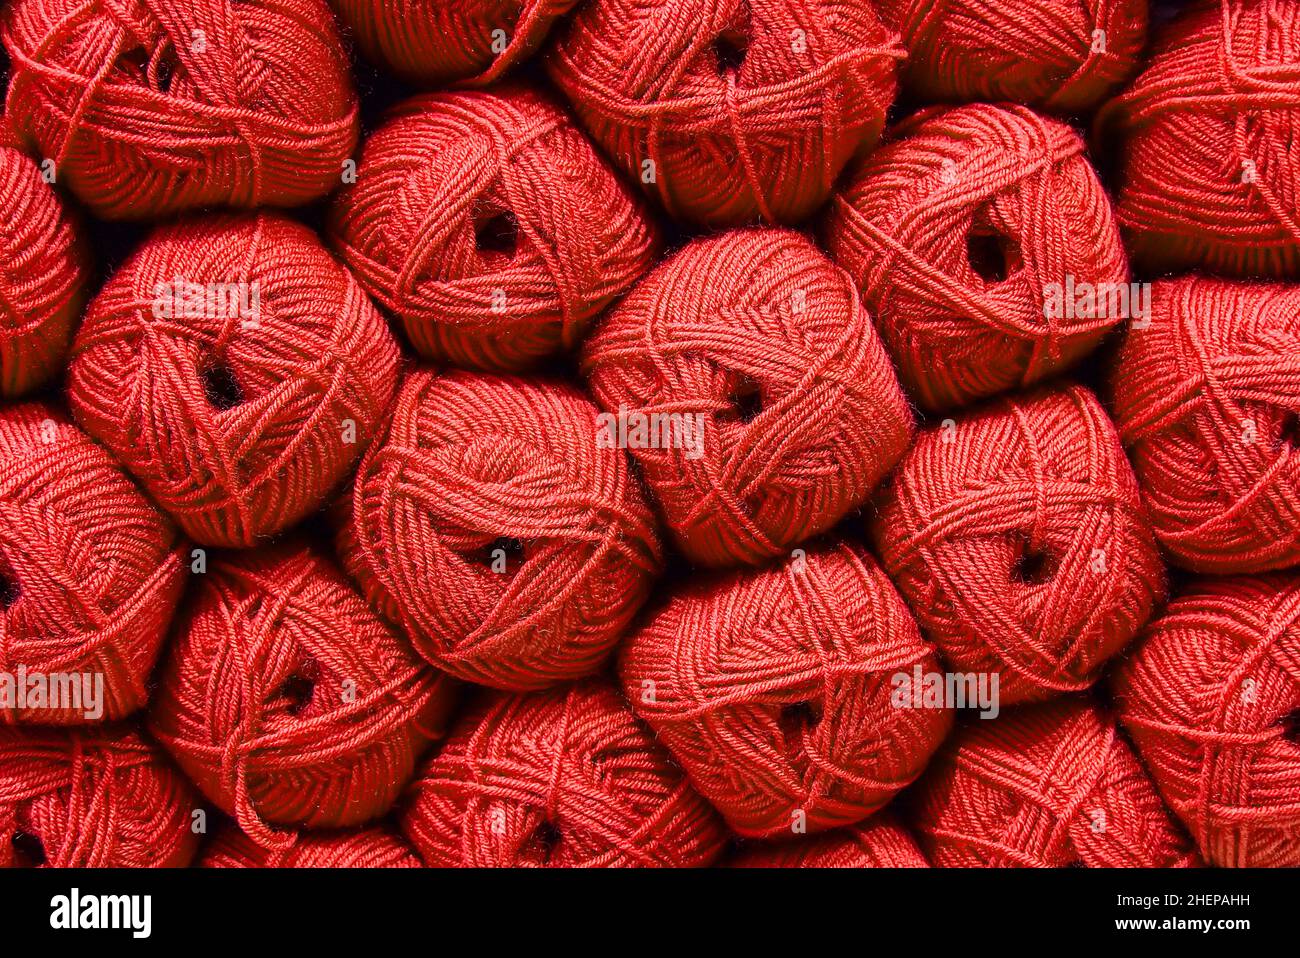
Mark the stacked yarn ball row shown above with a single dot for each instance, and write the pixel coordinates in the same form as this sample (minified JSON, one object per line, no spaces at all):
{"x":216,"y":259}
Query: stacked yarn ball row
{"x":818,"y":433}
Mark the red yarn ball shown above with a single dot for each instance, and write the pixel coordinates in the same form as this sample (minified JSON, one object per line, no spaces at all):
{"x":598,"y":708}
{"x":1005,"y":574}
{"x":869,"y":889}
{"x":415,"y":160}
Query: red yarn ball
{"x":1211,"y":697}
{"x":774,"y":689}
{"x":101,"y":799}
{"x":287,"y":701}
{"x":967,"y":235}
{"x":433,"y":42}
{"x":879,"y":842}
{"x":1207,"y":399}
{"x":563,"y":778}
{"x":364,"y":848}
{"x":492,"y":527}
{"x":237,"y":370}
{"x":1047,"y":786}
{"x":729,"y":111}
{"x":787,"y":409}
{"x":43,"y":276}
{"x":152,"y":108}
{"x":90,"y":573}
{"x":488,"y":225}
{"x":1018,"y":538}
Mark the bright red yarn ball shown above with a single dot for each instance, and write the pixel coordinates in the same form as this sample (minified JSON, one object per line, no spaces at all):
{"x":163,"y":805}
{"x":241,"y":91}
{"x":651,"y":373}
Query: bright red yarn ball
{"x":774,"y":689}
{"x":1017,"y":536}
{"x":489,"y":227}
{"x":488,"y":522}
{"x":90,"y":572}
{"x":43,"y":276}
{"x":726,"y":110}
{"x":237,"y":370}
{"x":968,"y":235}
{"x":1048,"y":786}
{"x":745,"y":377}
{"x":1207,"y":399}
{"x":287,"y":701}
{"x":1211,"y":697}
{"x":102,"y":799}
{"x":879,"y":842}
{"x":364,"y":848}
{"x":563,"y":778}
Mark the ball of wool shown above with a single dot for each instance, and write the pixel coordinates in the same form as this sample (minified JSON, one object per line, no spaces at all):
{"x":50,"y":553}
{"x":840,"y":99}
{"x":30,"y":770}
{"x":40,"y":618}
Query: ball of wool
{"x":562,"y":778}
{"x":237,"y":370}
{"x":1207,"y":400}
{"x":364,"y":848}
{"x":90,"y":573}
{"x":1060,"y":55}
{"x":43,"y":276}
{"x":488,"y":523}
{"x":1211,"y":697}
{"x":879,"y":842}
{"x":286,"y":700}
{"x":489,"y":227}
{"x":1017,"y":536}
{"x":1047,"y":786}
{"x":774,"y":690}
{"x":433,"y":43}
{"x":747,"y":380}
{"x":972,"y":236}
{"x":1209,"y":177}
{"x":725,"y":110}
{"x":150,"y":108}
{"x":101,"y":799}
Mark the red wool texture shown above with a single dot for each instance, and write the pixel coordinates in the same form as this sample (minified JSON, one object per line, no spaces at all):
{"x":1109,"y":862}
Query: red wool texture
{"x":287,"y":701}
{"x":958,"y":231}
{"x":802,"y":658}
{"x":766,"y":404}
{"x":725,"y":110}
{"x":489,"y":227}
{"x":1207,"y":399}
{"x":1211,"y":697}
{"x":558,"y":779}
{"x":102,"y":799}
{"x":364,"y":848}
{"x":879,"y":842}
{"x":239,"y":421}
{"x":1018,"y":538}
{"x":154,"y":107}
{"x":1048,"y":786}
{"x":90,"y":571}
{"x":490,"y":525}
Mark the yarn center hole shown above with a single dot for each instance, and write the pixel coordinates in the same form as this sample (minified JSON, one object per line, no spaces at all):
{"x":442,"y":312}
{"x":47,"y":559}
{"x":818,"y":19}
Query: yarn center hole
{"x":299,"y":688}
{"x":1291,"y":726}
{"x":1289,"y":433}
{"x":1033,"y":566}
{"x":220,"y":387}
{"x":747,"y":400}
{"x":797,"y":719}
{"x":29,"y":850}
{"x":502,"y":554}
{"x":992,"y":256}
{"x":497,"y":234}
{"x":9,"y":591}
{"x":730,"y":48}
{"x":544,"y":841}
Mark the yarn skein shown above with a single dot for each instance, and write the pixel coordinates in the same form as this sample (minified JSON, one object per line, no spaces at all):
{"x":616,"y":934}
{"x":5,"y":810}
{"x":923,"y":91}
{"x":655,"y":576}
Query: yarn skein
{"x":973,"y":235}
{"x":237,"y":370}
{"x":155,"y":107}
{"x":726,"y":110}
{"x":879,"y":842}
{"x":490,"y":525}
{"x":1211,"y":697}
{"x":774,"y":690}
{"x":1207,"y":399}
{"x":1017,"y":536}
{"x":489,"y":227}
{"x":90,"y":573}
{"x":287,"y":701}
{"x":363,"y":848}
{"x":557,"y":779}
{"x":749,"y":384}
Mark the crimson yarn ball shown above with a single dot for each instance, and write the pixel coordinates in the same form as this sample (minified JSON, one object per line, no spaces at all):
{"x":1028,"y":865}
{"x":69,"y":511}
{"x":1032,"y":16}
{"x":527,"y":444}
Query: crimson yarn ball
{"x":787,"y":408}
{"x":1046,"y":786}
{"x":95,"y":799}
{"x":1207,"y":399}
{"x":363,"y":848}
{"x":237,"y":370}
{"x":1211,"y":697}
{"x":774,"y":691}
{"x":725,"y":110}
{"x":90,"y":570}
{"x":1017,"y":535}
{"x":563,"y":778}
{"x":489,"y":227}
{"x":490,"y":525}
{"x":879,"y":842}
{"x":287,"y":701}
{"x":960,"y":231}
